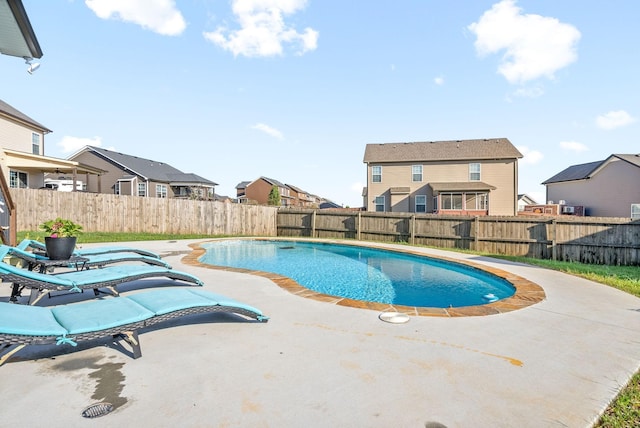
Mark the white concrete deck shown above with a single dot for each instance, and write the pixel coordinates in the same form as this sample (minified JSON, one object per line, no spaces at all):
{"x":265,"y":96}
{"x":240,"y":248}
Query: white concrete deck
{"x":554,"y":364}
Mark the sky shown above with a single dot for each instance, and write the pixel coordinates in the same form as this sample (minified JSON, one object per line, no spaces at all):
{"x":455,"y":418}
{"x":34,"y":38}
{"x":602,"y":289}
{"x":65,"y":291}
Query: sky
{"x":294,"y":90}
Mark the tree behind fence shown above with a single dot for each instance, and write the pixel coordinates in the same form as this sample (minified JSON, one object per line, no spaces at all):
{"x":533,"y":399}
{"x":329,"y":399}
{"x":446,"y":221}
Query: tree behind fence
{"x":117,"y":213}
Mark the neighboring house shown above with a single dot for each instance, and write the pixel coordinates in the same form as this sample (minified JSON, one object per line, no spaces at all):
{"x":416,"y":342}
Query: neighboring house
{"x":470,"y":177}
{"x":22,"y":155}
{"x":257,"y":192}
{"x":132,"y":175}
{"x":606,"y":188}
{"x":301,"y":198}
{"x":327,"y":204}
{"x":524,"y":200}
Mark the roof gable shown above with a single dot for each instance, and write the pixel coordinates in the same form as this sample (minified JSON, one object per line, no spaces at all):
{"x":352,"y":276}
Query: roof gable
{"x":146,"y":168}
{"x":587,"y":170}
{"x":480,"y":149}
{"x":7,"y":110}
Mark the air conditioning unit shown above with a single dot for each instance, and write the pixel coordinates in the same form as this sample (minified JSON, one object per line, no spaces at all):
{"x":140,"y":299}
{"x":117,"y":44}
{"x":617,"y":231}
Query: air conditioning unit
{"x":567,"y":210}
{"x":562,"y":202}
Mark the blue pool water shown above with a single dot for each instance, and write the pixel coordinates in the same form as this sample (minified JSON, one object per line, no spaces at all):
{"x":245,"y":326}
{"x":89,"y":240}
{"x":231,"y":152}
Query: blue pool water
{"x":367,"y":274}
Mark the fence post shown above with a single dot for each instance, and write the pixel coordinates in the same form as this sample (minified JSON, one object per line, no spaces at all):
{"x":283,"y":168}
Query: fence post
{"x":476,"y":227}
{"x":358,"y":225}
{"x":313,"y":224}
{"x":554,"y":250}
{"x":412,"y":224}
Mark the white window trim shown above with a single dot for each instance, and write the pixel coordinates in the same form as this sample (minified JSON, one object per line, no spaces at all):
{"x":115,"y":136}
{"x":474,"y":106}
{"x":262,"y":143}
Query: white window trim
{"x":146,"y":188}
{"x":162,"y":191}
{"x":413,"y":174}
{"x":376,"y":175}
{"x":376,"y":204}
{"x":17,"y":172}
{"x":472,"y":171}
{"x":423,"y":198}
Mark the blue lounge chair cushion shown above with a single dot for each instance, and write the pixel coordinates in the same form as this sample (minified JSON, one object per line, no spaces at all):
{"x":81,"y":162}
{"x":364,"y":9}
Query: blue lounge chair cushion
{"x":113,"y":272}
{"x":99,"y":315}
{"x":167,"y":300}
{"x":29,"y":320}
{"x":223,"y":300}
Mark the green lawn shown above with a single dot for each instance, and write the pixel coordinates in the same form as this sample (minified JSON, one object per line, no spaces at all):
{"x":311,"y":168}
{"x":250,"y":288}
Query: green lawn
{"x":624,"y":412}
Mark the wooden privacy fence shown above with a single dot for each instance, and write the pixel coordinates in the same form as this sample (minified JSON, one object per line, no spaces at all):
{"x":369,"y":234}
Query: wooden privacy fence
{"x":610,"y":241}
{"x":117,"y":213}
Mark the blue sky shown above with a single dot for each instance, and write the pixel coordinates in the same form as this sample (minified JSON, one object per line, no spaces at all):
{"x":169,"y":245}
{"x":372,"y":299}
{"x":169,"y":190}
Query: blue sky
{"x":294,"y":90}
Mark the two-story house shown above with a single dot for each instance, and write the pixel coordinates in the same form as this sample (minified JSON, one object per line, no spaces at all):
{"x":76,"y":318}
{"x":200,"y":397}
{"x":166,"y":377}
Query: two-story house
{"x":469,"y":177}
{"x":258,"y":190}
{"x":22,"y":155}
{"x":132,"y":175}
{"x":605,"y":188}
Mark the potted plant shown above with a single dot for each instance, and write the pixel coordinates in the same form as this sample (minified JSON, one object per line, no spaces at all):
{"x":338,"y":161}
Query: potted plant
{"x":62,"y":237}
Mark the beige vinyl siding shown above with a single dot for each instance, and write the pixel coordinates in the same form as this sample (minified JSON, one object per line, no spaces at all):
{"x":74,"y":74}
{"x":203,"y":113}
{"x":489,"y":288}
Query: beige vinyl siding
{"x":18,"y":137}
{"x":107,"y":180}
{"x":608,"y":193}
{"x":500,"y":173}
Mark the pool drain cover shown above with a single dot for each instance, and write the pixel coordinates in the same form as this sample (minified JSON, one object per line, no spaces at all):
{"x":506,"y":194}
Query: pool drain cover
{"x":96,"y":410}
{"x":394,"y":317}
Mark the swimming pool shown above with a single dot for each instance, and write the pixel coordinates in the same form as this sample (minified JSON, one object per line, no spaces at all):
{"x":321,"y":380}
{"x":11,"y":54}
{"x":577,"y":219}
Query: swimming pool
{"x":365,"y":274}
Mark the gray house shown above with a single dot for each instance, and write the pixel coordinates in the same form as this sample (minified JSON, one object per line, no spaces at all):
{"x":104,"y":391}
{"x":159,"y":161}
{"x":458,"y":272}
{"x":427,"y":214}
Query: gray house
{"x":606,"y":188}
{"x":132,"y":175}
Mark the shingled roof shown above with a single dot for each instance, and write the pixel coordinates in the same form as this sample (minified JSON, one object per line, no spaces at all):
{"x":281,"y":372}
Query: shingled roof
{"x":586,"y":170}
{"x":7,"y":110}
{"x":149,"y":169}
{"x":481,"y":149}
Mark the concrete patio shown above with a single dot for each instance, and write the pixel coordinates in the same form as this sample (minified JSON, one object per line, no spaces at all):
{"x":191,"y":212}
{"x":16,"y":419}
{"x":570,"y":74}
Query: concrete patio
{"x":557,"y":363}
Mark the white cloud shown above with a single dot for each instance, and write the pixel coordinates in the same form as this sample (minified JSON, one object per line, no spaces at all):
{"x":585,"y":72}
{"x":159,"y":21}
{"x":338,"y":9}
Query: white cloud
{"x":573,"y":146}
{"x":268,"y":130}
{"x":159,"y":16}
{"x":263,"y":31}
{"x":439,"y":80}
{"x":531,"y":157}
{"x":73,"y":144}
{"x":614,"y":119}
{"x":529,"y":92}
{"x":534,"y":46}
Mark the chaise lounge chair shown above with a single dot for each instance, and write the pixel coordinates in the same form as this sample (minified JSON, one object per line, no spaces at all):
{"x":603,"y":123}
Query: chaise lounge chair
{"x":120,"y":317}
{"x":97,"y":260}
{"x":107,"y":277}
{"x":30,"y":243}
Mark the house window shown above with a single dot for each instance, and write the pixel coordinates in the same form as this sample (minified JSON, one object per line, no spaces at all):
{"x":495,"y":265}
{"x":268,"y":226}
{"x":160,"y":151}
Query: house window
{"x":116,"y":188}
{"x":476,"y":201}
{"x":474,"y":172}
{"x":421,"y":203}
{"x":376,"y":174}
{"x":435,"y":204}
{"x":635,"y":211}
{"x":379,"y":203}
{"x":142,"y":189}
{"x":35,"y":143}
{"x":451,"y":201}
{"x":161,"y":190}
{"x":416,"y":173}
{"x":18,"y":180}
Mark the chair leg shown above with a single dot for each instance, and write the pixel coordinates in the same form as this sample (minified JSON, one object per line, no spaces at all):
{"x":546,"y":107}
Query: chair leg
{"x":8,"y":352}
{"x":131,"y":337}
{"x":36,"y":295}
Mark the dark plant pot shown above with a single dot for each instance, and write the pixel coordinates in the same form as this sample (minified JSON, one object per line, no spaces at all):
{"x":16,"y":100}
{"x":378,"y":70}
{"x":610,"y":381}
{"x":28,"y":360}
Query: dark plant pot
{"x":60,"y":248}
